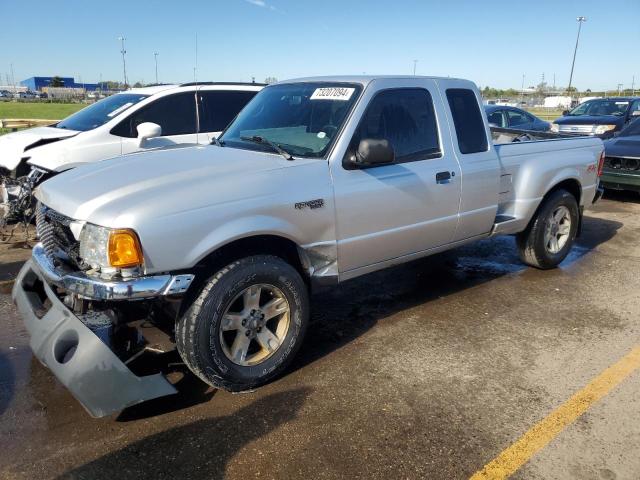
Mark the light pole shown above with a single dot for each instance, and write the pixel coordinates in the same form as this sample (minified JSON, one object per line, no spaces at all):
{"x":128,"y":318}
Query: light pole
{"x":619,"y":89}
{"x":522,"y":90}
{"x":580,"y":21}
{"x":155,"y":55}
{"x":124,"y":62}
{"x":415,"y":62}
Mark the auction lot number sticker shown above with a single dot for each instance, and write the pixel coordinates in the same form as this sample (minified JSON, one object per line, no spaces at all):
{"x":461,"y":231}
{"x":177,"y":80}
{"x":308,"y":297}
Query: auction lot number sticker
{"x":332,"y":93}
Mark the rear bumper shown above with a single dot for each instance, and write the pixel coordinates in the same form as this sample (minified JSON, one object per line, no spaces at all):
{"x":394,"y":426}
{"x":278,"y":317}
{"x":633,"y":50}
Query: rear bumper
{"x":95,"y":376}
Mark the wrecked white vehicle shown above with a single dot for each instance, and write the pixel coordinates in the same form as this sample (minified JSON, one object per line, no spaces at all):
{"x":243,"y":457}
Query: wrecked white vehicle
{"x":127,"y":122}
{"x":316,"y":182}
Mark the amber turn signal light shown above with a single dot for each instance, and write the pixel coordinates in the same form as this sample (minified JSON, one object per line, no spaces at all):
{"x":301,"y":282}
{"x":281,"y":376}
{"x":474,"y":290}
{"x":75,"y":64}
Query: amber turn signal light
{"x":124,"y":249}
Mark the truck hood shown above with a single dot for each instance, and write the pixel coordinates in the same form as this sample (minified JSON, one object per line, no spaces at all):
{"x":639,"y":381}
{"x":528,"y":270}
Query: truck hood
{"x":623,"y":146}
{"x":590,"y":120}
{"x":13,"y":145}
{"x":116,"y":192}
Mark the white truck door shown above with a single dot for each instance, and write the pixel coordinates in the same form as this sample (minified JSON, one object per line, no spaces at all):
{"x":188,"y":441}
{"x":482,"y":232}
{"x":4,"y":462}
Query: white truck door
{"x":176,"y":115}
{"x":389,"y":211}
{"x":216,"y":109}
{"x":476,"y":155}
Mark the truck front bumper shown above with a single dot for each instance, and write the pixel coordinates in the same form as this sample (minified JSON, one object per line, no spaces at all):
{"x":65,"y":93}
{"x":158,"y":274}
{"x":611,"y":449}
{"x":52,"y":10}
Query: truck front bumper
{"x":100,"y":289}
{"x":620,"y":181}
{"x":95,"y":376}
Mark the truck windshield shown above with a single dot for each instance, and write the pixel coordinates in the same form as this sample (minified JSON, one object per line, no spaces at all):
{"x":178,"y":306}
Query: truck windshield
{"x":100,"y":112}
{"x":302,"y":118}
{"x":601,"y":107}
{"x":632,"y":129}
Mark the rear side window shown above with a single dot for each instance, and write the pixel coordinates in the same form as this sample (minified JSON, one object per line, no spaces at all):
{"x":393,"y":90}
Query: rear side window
{"x":405,"y":117}
{"x":176,"y":115}
{"x":467,"y":120}
{"x":218,"y":108}
{"x":518,"y":118}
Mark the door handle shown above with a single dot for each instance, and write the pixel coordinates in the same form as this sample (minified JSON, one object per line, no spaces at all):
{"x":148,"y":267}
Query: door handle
{"x":443,"y":177}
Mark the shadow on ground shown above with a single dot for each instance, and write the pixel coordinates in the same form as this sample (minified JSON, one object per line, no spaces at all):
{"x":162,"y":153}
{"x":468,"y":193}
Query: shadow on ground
{"x":199,"y":450}
{"x":625,"y":196}
{"x":7,"y":382}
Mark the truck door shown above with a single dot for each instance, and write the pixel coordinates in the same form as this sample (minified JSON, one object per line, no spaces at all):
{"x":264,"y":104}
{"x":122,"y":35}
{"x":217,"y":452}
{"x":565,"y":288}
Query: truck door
{"x":176,"y":115}
{"x":477,"y":158}
{"x":391,"y":211}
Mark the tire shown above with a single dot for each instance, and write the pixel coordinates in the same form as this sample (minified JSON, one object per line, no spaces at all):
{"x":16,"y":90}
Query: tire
{"x":207,"y":346}
{"x":533,"y":245}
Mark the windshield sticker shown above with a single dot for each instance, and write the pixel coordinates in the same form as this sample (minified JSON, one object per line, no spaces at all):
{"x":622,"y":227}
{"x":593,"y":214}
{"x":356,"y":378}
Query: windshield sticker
{"x":119,"y":110}
{"x":332,"y":93}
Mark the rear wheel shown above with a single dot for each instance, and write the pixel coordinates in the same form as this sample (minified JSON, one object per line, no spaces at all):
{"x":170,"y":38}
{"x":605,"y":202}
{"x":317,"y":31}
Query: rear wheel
{"x":246,"y":324}
{"x":551,"y":233}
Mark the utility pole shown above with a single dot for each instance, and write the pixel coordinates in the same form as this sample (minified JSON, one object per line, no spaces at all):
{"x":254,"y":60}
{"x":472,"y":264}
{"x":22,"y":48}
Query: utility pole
{"x":619,"y":89}
{"x":124,"y":62}
{"x":580,"y":21}
{"x":633,"y":86}
{"x":155,"y":55}
{"x":195,"y":69}
{"x":522,"y":90}
{"x":415,"y":62}
{"x":13,"y":79}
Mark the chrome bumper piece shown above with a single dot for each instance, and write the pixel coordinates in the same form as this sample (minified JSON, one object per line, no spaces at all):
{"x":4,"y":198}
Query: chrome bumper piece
{"x":100,"y":289}
{"x":95,"y":376}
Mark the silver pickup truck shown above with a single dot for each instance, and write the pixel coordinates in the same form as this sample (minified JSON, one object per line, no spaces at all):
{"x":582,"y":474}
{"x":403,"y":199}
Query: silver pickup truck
{"x":316,"y":182}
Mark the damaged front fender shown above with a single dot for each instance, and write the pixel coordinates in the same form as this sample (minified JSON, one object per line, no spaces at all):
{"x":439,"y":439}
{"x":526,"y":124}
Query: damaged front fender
{"x":320,"y":261}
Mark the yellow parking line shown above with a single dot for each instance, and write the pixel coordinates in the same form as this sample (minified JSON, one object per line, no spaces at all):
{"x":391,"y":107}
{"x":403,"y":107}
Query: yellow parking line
{"x":516,"y":455}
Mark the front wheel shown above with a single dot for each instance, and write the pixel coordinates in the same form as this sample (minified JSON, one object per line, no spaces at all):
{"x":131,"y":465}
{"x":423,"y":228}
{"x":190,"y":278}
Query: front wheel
{"x":246,"y":324}
{"x":552,"y":231}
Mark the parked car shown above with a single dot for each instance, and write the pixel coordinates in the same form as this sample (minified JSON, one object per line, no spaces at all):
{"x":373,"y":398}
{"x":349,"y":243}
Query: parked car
{"x":26,"y":94}
{"x":317,"y":181}
{"x":5,"y":94}
{"x":601,"y":116}
{"x":134,"y":120}
{"x":512,"y":117}
{"x":622,"y":159}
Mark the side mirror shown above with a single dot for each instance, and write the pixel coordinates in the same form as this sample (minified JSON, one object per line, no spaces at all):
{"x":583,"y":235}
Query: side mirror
{"x":565,"y":113}
{"x":374,"y":152}
{"x":148,"y":130}
{"x":635,"y":113}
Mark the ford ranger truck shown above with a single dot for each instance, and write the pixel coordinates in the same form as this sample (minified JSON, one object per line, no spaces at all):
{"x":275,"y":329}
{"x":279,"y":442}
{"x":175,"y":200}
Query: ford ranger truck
{"x":316,"y":182}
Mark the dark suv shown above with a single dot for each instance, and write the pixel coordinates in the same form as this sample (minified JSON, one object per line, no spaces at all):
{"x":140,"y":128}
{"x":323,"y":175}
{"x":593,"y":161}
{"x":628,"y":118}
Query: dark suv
{"x":601,"y":116}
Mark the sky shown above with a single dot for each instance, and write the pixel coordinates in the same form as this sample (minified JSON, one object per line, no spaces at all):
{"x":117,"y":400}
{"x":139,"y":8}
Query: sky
{"x":493,"y":43}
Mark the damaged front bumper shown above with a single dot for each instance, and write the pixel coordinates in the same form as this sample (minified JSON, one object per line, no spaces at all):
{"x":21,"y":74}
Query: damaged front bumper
{"x":80,"y":360}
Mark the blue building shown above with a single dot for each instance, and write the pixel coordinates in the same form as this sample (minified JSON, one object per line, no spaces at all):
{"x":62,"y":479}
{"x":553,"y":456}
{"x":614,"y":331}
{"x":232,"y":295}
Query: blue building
{"x":37,"y":83}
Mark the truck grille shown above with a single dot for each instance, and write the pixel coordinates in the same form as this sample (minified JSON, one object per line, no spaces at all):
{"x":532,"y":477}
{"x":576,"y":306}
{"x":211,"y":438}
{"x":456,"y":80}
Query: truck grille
{"x":58,"y":241}
{"x":622,"y":164}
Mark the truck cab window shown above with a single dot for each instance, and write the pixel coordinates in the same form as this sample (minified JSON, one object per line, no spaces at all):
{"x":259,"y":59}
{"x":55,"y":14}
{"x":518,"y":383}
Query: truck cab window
{"x":406,"y":118}
{"x":468,"y":121}
{"x":219,"y":107}
{"x":176,"y":115}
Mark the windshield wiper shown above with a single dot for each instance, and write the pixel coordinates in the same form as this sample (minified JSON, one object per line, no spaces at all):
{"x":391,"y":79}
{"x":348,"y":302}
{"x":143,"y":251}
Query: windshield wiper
{"x":217,"y":142}
{"x":263,"y":141}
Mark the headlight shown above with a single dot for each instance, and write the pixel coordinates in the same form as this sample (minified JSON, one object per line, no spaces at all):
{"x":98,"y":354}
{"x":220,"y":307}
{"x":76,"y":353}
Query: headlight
{"x":555,"y":127}
{"x":600,"y":129}
{"x":103,"y":247}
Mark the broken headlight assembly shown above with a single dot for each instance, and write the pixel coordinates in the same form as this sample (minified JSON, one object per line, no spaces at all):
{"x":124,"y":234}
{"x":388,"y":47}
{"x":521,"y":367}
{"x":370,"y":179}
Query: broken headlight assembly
{"x":109,"y":250}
